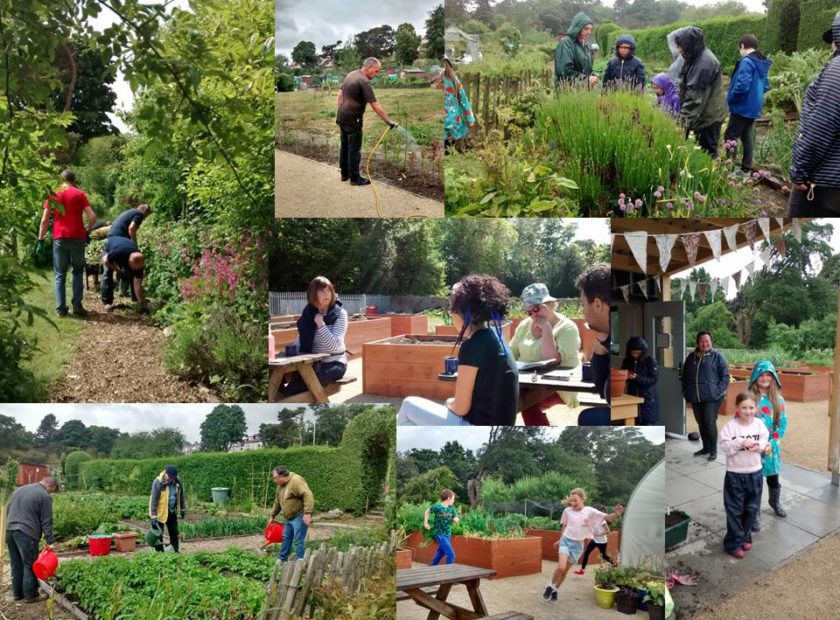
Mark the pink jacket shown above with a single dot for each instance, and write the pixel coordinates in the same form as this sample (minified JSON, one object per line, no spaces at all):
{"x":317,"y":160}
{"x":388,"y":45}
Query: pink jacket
{"x":732,"y":436}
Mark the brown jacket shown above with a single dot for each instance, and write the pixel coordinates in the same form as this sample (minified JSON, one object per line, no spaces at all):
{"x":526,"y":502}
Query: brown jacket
{"x":293,"y":498}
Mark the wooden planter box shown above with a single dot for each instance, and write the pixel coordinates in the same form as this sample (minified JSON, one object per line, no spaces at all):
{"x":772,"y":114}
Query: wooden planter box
{"x":409,"y":324}
{"x":403,"y":558}
{"x":508,"y":557}
{"x":392,"y":368}
{"x":804,"y":387}
{"x":449,"y":330}
{"x":358,"y":332}
{"x":550,"y":537}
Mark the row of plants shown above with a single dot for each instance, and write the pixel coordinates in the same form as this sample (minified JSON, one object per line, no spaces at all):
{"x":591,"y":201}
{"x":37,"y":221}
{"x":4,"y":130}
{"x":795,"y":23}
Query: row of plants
{"x":630,"y":588}
{"x":780,"y":358}
{"x":219,"y":527}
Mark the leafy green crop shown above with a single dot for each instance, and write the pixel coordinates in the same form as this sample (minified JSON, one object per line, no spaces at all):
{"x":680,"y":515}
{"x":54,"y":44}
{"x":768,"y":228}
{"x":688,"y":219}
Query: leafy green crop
{"x":216,"y":527}
{"x":240,"y":561}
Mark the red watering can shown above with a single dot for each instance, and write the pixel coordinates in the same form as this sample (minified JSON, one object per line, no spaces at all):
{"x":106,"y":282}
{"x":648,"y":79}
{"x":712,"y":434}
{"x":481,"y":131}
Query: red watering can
{"x":44,"y":567}
{"x":273,"y":533}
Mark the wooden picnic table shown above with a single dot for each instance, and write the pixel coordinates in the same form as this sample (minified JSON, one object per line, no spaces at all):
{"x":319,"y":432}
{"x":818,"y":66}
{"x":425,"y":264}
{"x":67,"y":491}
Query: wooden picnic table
{"x":303,"y":363}
{"x":412,"y":582}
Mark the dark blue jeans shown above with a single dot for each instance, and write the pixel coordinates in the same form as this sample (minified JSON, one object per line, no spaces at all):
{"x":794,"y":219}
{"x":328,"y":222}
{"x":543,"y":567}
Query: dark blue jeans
{"x":328,"y":372}
{"x":350,"y":154}
{"x":23,"y":551}
{"x":294,"y":530}
{"x":742,"y":501}
{"x":106,"y":285}
{"x":68,"y":253}
{"x":444,"y":549}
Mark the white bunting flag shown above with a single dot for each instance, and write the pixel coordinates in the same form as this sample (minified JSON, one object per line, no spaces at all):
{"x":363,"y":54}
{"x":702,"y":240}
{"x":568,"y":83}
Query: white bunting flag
{"x":750,"y":269}
{"x":714,"y":241}
{"x":731,"y":234}
{"x":714,"y":286}
{"x":764,"y":225}
{"x":637,"y":241}
{"x":658,"y":285}
{"x":765,"y":254}
{"x":625,"y":292}
{"x":692,"y":288}
{"x":643,"y":287}
{"x":665,"y":244}
{"x":781,"y":222}
{"x":796,"y":227}
{"x":691,"y":241}
{"x":683,"y":284}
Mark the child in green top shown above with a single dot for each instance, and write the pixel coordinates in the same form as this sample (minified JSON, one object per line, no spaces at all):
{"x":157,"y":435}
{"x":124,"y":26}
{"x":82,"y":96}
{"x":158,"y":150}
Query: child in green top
{"x":445,"y":516}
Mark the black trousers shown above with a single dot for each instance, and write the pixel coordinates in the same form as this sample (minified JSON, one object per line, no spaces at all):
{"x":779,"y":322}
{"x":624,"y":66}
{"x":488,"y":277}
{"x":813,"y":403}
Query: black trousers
{"x":742,"y":501}
{"x":740,"y":128}
{"x":706,"y":416}
{"x":327,"y":372}
{"x":350,"y":155}
{"x":602,"y":547}
{"x":23,"y":551}
{"x":825,"y":203}
{"x":172,"y":528}
{"x":708,"y":138}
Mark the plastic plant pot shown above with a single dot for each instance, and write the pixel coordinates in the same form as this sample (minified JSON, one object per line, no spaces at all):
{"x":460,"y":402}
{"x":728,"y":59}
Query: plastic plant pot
{"x":44,"y":567}
{"x":605,"y":597}
{"x":221,"y":495}
{"x":99,"y":544}
{"x":125,"y":541}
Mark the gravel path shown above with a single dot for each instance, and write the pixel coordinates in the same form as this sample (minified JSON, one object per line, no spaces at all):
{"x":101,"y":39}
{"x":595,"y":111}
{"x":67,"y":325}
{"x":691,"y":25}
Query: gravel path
{"x":307,"y":188}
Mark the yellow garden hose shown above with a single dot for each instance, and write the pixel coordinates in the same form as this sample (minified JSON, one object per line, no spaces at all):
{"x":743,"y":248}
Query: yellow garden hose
{"x":367,"y":171}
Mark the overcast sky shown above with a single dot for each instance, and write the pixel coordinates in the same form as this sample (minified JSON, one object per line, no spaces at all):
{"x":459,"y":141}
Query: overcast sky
{"x":755,"y":6}
{"x":141,"y":417}
{"x":473,"y":437}
{"x":326,"y":21}
{"x":729,"y":263}
{"x":591,"y":228}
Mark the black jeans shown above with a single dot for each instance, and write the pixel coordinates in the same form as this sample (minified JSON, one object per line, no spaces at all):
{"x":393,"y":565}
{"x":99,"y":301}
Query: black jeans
{"x":350,"y":155}
{"x":327,"y":372}
{"x":602,"y":547}
{"x":742,"y":501}
{"x":172,"y":528}
{"x":23,"y":551}
{"x":825,"y":203}
{"x":106,"y":285}
{"x":708,"y":138}
{"x":706,"y":416}
{"x":740,"y":128}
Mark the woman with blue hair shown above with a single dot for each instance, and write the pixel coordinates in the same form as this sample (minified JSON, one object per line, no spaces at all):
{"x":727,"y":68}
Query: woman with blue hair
{"x":487,"y":387}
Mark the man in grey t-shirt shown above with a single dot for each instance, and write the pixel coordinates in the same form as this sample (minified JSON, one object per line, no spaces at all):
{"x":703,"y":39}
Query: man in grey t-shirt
{"x":30,"y":517}
{"x":353,"y":96}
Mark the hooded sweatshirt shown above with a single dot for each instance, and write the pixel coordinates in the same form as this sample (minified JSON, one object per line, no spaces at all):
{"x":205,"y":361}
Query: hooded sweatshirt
{"x":630,"y":70}
{"x":771,"y":463}
{"x":816,"y":156}
{"x":572,"y":60}
{"x":669,"y":101}
{"x":644,"y":385}
{"x":676,"y":67}
{"x":701,"y":94}
{"x":749,"y":83}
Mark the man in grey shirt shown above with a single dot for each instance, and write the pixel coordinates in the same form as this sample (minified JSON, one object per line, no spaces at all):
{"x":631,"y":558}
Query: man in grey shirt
{"x":354,"y":95}
{"x":30,"y":517}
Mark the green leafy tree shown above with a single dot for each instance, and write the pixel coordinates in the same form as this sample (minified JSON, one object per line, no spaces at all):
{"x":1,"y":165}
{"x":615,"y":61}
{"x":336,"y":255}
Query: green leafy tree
{"x":435,"y":28}
{"x":8,"y":481}
{"x":348,"y":58}
{"x":329,"y":52}
{"x":222,"y":427}
{"x":47,"y":431}
{"x":73,"y":434}
{"x":149,"y":444}
{"x":304,"y":53}
{"x":426,"y":488}
{"x":510,"y":38}
{"x":408,"y":42}
{"x":483,"y":12}
{"x":378,"y":42}
{"x":102,"y":439}
{"x":286,"y":434}
{"x":13,"y":435}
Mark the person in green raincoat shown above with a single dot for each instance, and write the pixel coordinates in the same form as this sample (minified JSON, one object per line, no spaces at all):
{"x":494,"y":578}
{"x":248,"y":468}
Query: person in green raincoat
{"x":765,"y":385}
{"x":572,"y":60}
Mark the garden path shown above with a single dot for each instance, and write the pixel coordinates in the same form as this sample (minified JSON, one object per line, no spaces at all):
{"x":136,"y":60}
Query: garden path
{"x":119,"y":358}
{"x":308,"y":188}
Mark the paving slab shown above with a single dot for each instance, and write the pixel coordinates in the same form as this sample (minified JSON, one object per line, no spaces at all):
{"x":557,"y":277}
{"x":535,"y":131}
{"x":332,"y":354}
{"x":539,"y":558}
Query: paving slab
{"x":682,"y":489}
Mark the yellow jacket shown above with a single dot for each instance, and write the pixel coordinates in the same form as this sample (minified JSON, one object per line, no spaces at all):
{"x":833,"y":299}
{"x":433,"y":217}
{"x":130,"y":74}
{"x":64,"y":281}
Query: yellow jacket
{"x":159,"y":500}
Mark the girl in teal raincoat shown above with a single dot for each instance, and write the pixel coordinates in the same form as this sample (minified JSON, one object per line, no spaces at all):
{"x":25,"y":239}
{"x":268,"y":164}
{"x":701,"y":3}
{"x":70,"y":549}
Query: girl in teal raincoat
{"x":765,"y":385}
{"x":459,"y":114}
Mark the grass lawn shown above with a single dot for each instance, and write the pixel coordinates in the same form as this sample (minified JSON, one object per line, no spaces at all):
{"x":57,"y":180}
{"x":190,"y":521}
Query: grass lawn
{"x":420,"y":110}
{"x":54,"y":346}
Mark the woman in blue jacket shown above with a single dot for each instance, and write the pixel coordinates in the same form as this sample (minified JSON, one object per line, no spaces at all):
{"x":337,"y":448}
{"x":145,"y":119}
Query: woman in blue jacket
{"x":746,"y":96}
{"x":705,"y":378}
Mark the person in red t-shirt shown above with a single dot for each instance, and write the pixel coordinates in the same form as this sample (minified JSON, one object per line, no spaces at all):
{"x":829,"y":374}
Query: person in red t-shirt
{"x":69,"y":237}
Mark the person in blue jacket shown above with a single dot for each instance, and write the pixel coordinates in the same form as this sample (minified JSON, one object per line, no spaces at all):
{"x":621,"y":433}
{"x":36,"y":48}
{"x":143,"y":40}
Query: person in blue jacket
{"x":746,"y":97}
{"x":641,"y":382}
{"x":705,"y":379}
{"x":625,"y":69}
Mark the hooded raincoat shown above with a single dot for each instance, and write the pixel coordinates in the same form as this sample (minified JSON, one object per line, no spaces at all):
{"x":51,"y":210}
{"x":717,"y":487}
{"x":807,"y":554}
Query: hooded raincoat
{"x":669,"y":101}
{"x":701,"y":93}
{"x":572,"y":60}
{"x":816,"y":155}
{"x":748,"y":85}
{"x":644,"y":385}
{"x":770,"y":463}
{"x":630,"y":70}
{"x":676,"y":67}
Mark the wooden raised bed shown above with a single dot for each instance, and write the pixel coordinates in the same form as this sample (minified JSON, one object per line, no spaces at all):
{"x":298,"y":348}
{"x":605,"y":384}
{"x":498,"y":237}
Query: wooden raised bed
{"x":805,"y":387}
{"x":359,"y":331}
{"x":392,"y":367}
{"x":403,"y":558}
{"x":409,"y":324}
{"x":449,"y":330}
{"x":550,"y":537}
{"x":509,"y":557}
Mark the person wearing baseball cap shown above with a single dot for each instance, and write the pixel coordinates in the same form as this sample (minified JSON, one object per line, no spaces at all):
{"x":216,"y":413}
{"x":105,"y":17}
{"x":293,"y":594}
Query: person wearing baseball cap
{"x":167,"y":496}
{"x":815,"y":165}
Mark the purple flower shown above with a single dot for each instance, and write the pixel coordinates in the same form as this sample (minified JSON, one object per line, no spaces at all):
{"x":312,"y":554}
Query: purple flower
{"x":657,"y":194}
{"x":621,"y":196}
{"x":670,"y":205}
{"x":689,"y":204}
{"x":638,"y":203}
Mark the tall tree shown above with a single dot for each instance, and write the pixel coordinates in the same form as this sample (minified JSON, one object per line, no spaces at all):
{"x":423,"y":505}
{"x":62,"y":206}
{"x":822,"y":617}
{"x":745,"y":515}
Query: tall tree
{"x":286,"y":434}
{"x":435,"y":28}
{"x":222,"y":427}
{"x":377,"y":42}
{"x":47,"y":430}
{"x":407,"y":43}
{"x":92,"y":95}
{"x":304,"y":53}
{"x":102,"y":439}
{"x":13,"y":435}
{"x":328,"y":52}
{"x":73,"y":434}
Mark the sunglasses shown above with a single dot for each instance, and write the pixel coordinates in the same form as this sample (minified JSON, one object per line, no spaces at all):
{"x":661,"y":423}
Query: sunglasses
{"x":533,"y":310}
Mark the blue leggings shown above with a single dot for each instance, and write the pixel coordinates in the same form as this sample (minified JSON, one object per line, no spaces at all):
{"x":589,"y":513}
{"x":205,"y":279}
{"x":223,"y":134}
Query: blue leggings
{"x":444,"y":549}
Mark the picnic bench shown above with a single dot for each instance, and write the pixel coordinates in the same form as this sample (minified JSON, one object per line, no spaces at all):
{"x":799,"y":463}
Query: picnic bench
{"x":429,"y":587}
{"x":316,"y":393}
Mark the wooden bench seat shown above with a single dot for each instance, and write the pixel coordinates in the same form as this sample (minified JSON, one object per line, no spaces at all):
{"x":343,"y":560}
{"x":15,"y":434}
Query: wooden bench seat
{"x":430,"y":590}
{"x":329,"y":389}
{"x":510,"y":615}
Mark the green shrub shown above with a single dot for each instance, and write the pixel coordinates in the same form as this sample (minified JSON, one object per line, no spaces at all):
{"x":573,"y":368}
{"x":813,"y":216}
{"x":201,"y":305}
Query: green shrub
{"x":73,"y":517}
{"x":285,"y":83}
{"x":426,"y":487}
{"x":606,"y":34}
{"x":782,"y":29}
{"x":791,"y":74}
{"x":495,"y":491}
{"x":819,"y":20}
{"x":368,"y":441}
{"x":342,"y":540}
{"x":72,"y":472}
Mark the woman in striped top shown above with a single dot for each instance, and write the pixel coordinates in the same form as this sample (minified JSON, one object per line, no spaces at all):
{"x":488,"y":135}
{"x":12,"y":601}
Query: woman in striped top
{"x":321,"y":329}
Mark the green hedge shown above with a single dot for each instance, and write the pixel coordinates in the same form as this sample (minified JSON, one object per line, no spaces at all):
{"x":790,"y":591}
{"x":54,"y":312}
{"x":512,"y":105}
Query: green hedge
{"x":72,"y":464}
{"x":812,"y":28}
{"x":721,"y":35}
{"x":783,"y":20}
{"x":602,"y":37}
{"x":368,"y":441}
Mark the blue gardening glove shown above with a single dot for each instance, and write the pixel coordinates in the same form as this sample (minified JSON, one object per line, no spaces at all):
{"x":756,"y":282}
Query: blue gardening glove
{"x":183,"y":513}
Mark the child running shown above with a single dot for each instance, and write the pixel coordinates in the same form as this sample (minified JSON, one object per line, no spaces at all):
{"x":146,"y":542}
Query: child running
{"x":445,"y":516}
{"x":765,"y":386}
{"x":742,"y":439}
{"x":598,"y":541}
{"x":576,"y":523}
